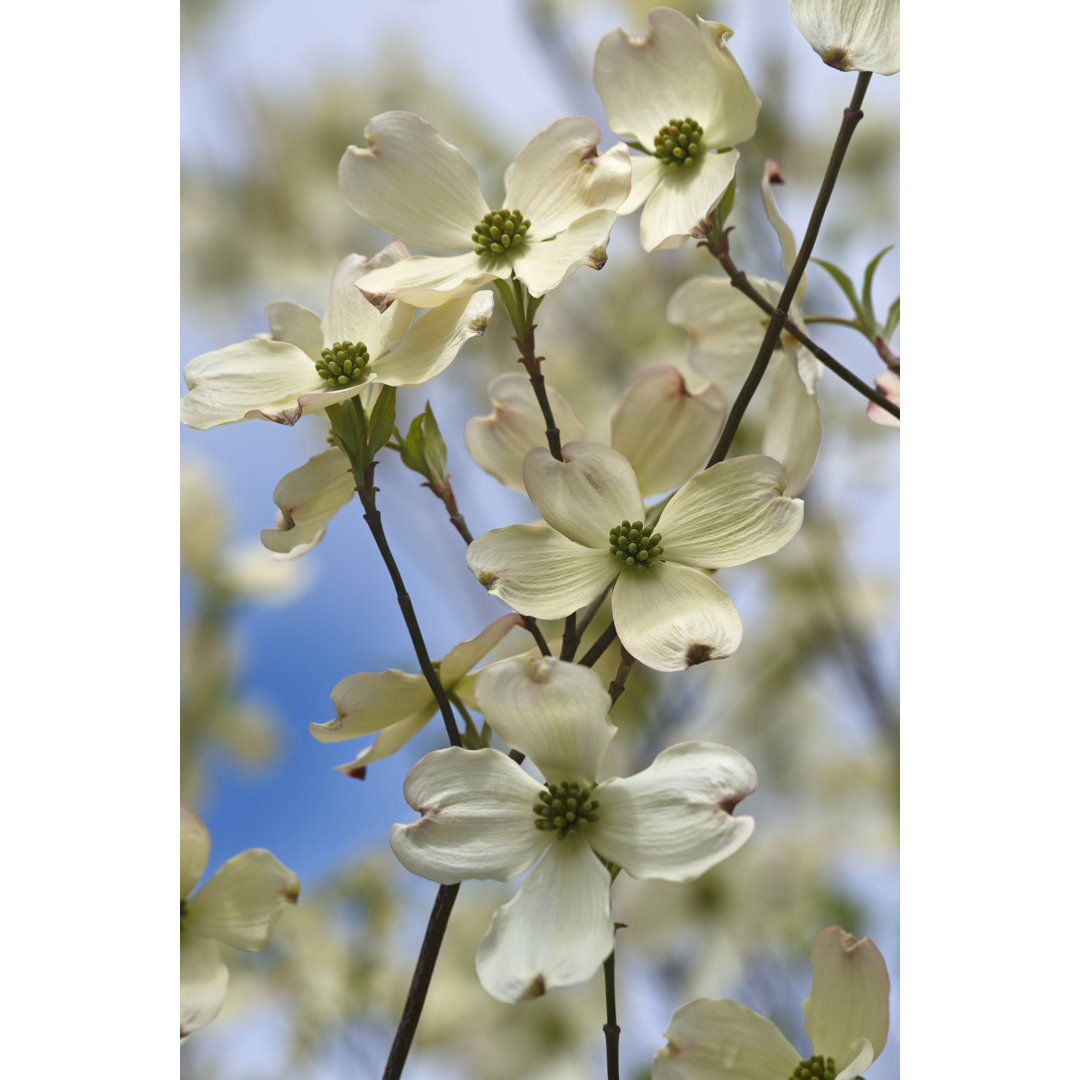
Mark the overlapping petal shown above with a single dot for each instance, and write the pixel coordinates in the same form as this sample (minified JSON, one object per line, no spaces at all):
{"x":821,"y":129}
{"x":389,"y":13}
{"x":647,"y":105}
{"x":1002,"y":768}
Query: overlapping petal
{"x":430,"y":280}
{"x":663,"y":430}
{"x":553,"y":712}
{"x":682,"y":200}
{"x":389,"y":741}
{"x":499,"y":442}
{"x":462,"y":658}
{"x":297,"y":325}
{"x":671,"y":617}
{"x":241,"y":903}
{"x":556,"y":931}
{"x":792,"y":425}
{"x":544,"y":266}
{"x":560,"y":177}
{"x":538,"y":571}
{"x":367,"y":702}
{"x":723,"y":1040}
{"x":733,"y":512}
{"x":349,"y":317}
{"x":413,"y":184}
{"x":194,"y":849}
{"x":476,"y":817}
{"x":587,"y":493}
{"x":307,"y":498}
{"x":673,"y":820}
{"x":204,"y":981}
{"x":849,"y":997}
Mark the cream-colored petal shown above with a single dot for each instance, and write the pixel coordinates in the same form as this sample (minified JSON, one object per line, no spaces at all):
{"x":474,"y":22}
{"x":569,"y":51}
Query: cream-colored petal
{"x":663,"y":430}
{"x":733,"y":512}
{"x":411,"y":183}
{"x":194,"y":849}
{"x":537,"y":571}
{"x":678,"y":69}
{"x":461,"y":659}
{"x":543,"y":266}
{"x":204,"y":981}
{"x":241,"y":903}
{"x":788,"y":248}
{"x":684,"y":200}
{"x":307,"y":498}
{"x":389,"y":741}
{"x":351,"y":317}
{"x":671,"y":617}
{"x":367,"y":702}
{"x":556,"y":931}
{"x":849,"y":997}
{"x":499,"y":441}
{"x":257,"y":377}
{"x":645,"y":174}
{"x":554,"y":712}
{"x":476,"y":817}
{"x":673,"y":820}
{"x":723,"y":1040}
{"x":297,"y":325}
{"x":852,"y":35}
{"x":735,"y":106}
{"x":426,"y":281}
{"x":863,"y":1059}
{"x":724,"y":326}
{"x":792,"y":425}
{"x":559,"y":177}
{"x":888,"y":383}
{"x":433,"y":341}
{"x":584,"y":496}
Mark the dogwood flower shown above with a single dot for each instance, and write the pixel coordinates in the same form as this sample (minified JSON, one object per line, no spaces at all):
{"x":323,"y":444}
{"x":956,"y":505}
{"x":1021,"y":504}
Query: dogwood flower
{"x":482,"y":816}
{"x":238,"y":906}
{"x":561,"y":198}
{"x":852,"y":35}
{"x":888,"y":383}
{"x":662,"y":428}
{"x":307,"y":364}
{"x":677,"y":89}
{"x":847,"y":1021}
{"x":398,"y":705}
{"x":667,"y":613}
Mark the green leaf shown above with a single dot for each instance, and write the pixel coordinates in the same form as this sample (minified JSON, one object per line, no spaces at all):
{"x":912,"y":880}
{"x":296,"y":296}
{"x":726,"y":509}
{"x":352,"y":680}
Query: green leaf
{"x":868,"y":279}
{"x":844,"y":282}
{"x":893,"y":320}
{"x":412,"y":447}
{"x":423,"y":450}
{"x":381,"y":421}
{"x":724,"y":208}
{"x":434,"y":446}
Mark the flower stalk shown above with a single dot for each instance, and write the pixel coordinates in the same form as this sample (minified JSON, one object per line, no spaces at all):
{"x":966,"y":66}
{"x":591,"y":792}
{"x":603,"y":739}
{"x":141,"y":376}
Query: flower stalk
{"x":852,"y":115}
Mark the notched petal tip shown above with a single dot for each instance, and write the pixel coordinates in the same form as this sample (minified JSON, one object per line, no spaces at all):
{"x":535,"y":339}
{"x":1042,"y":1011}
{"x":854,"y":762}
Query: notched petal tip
{"x":478,"y":325}
{"x":597,"y":258}
{"x":700,"y":653}
{"x":702,"y":230}
{"x":772,"y":172}
{"x":287,"y":416}
{"x":536,"y":988}
{"x":356,"y":772}
{"x":380,"y":300}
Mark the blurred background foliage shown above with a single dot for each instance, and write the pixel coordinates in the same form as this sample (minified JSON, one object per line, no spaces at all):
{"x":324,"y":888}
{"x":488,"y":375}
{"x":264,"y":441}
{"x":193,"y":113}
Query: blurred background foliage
{"x":810,"y":697}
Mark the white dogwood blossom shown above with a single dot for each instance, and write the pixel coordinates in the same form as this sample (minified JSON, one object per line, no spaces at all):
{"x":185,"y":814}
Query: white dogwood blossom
{"x":398,"y":705}
{"x":847,"y":1021}
{"x":679,"y":93}
{"x":238,"y":906}
{"x":560,"y":202}
{"x":852,"y":35}
{"x":483,"y":816}
{"x":668,"y":614}
{"x":308,"y":363}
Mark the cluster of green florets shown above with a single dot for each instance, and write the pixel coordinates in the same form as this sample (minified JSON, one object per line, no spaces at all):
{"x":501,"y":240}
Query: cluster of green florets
{"x":679,"y":142}
{"x":500,"y":231}
{"x":564,"y":807}
{"x":343,"y":363}
{"x":817,"y":1067}
{"x":634,"y":544}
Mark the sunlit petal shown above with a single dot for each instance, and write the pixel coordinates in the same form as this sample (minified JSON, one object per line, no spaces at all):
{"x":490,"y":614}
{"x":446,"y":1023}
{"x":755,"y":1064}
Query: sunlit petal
{"x":204,"y":980}
{"x":685,"y":199}
{"x":307,"y":498}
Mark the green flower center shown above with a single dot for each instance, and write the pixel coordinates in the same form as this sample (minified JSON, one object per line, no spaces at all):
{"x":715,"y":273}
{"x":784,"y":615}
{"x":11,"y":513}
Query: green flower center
{"x":816,"y":1068}
{"x":343,"y":363}
{"x":679,"y":142}
{"x":500,"y":231}
{"x":635,"y":544}
{"x":564,"y":807}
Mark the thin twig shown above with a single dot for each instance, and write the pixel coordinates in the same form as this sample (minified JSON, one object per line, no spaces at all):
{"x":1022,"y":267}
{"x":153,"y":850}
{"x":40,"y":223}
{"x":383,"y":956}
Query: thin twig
{"x":852,"y":115}
{"x":599,"y":646}
{"x":611,"y":1027}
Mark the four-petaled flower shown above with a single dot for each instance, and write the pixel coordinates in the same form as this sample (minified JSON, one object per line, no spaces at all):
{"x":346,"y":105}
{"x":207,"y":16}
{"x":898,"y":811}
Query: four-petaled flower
{"x":668,"y":614}
{"x":238,"y":906}
{"x":561,"y":198}
{"x":680,"y":94}
{"x":308,"y":363}
{"x":847,"y":1021}
{"x":482,"y":816}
